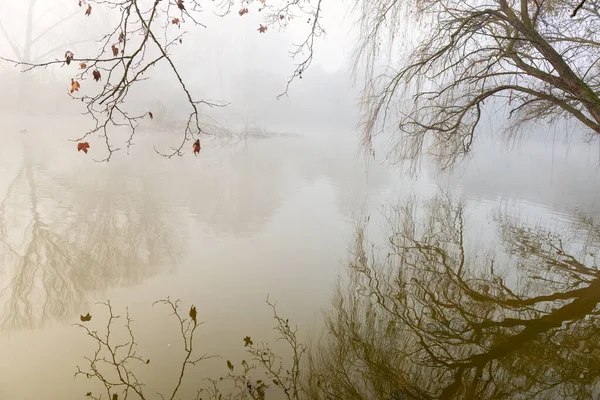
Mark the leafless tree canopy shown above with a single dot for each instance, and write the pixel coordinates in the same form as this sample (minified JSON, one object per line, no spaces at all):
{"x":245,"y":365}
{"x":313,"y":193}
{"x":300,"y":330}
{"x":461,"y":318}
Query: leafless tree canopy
{"x":537,"y":57}
{"x":144,"y":35}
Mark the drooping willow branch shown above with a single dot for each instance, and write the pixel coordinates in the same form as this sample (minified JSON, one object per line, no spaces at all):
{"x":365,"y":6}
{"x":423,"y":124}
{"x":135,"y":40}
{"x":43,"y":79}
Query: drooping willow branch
{"x":527,"y":57}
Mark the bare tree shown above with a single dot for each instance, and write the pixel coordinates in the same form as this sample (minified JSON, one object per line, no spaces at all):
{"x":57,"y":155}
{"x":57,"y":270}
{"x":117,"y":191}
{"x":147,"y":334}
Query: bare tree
{"x":143,"y":36}
{"x":33,"y":45}
{"x":35,"y":34}
{"x":537,"y":58}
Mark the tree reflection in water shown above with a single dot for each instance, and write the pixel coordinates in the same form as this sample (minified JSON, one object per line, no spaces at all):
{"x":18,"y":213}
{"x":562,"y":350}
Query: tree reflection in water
{"x":59,"y":241}
{"x":438,"y":319}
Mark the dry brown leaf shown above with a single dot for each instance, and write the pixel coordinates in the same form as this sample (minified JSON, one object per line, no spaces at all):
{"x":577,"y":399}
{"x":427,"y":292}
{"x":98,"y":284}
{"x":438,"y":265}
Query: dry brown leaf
{"x":193,"y":313}
{"x":74,"y":85}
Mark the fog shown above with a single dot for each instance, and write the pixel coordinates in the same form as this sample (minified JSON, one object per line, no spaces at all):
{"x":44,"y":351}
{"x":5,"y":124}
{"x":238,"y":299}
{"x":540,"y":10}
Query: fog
{"x":268,"y":207}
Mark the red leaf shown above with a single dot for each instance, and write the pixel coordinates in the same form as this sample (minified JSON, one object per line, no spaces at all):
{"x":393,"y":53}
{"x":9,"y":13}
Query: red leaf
{"x":180,"y":5}
{"x":197,"y":147}
{"x":83,"y":146}
{"x":89,"y":10}
{"x":115,"y":50}
{"x":79,"y":3}
{"x":243,"y":11}
{"x":150,"y":115}
{"x":74,"y":85}
{"x":96,"y":75}
{"x":175,"y":21}
{"x":82,"y":65}
{"x":262,"y":29}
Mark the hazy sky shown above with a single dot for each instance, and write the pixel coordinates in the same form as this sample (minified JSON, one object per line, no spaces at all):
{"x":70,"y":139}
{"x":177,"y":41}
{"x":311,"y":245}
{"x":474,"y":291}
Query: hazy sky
{"x":232,"y":62}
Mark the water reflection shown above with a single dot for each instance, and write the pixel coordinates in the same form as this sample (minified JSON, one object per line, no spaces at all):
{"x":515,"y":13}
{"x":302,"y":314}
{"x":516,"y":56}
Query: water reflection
{"x":433,"y":317}
{"x":238,"y":190}
{"x":61,"y":239}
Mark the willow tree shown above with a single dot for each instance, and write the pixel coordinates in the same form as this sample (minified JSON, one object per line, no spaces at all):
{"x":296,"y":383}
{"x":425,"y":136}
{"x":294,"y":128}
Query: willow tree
{"x":537,"y":58}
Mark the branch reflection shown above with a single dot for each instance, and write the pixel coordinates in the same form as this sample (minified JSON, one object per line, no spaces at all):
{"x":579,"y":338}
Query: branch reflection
{"x":437,"y":318}
{"x":61,"y":240}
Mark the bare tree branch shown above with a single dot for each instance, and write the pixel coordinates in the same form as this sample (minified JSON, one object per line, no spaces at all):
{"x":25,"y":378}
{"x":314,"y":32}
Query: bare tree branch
{"x":528,"y":57}
{"x":142,"y":38}
{"x":581,"y":3}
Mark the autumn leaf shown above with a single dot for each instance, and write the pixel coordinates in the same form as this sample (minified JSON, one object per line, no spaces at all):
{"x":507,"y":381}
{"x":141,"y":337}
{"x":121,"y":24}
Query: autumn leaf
{"x":115,"y":396}
{"x":281,"y":16}
{"x":83,"y":146}
{"x":80,"y":2}
{"x":197,"y":146}
{"x":121,"y":37}
{"x":175,"y":21}
{"x":180,"y":5}
{"x":248,"y":341}
{"x":148,"y":361}
{"x":262,"y":29}
{"x":150,"y":115}
{"x":193,"y":314}
{"x":115,"y":50}
{"x":88,"y":394}
{"x":262,"y":1}
{"x":82,"y":65}
{"x":74,"y":85}
{"x":243,"y":11}
{"x":69,"y":56}
{"x":85,"y":318}
{"x":89,"y":10}
{"x":96,"y":75}
{"x":229,"y":365}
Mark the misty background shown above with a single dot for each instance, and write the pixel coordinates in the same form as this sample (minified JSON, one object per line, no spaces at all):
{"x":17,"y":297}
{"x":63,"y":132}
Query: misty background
{"x":268,"y":211}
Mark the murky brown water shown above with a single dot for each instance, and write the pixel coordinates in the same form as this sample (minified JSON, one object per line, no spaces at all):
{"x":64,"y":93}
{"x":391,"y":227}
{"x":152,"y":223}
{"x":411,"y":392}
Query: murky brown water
{"x":276,"y":216}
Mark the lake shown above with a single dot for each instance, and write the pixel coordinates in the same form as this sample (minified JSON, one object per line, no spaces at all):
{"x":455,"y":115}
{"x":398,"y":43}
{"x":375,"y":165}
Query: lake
{"x":278,"y":216}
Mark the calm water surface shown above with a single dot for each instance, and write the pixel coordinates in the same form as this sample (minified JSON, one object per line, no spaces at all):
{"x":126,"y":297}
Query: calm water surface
{"x":277,"y":216}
